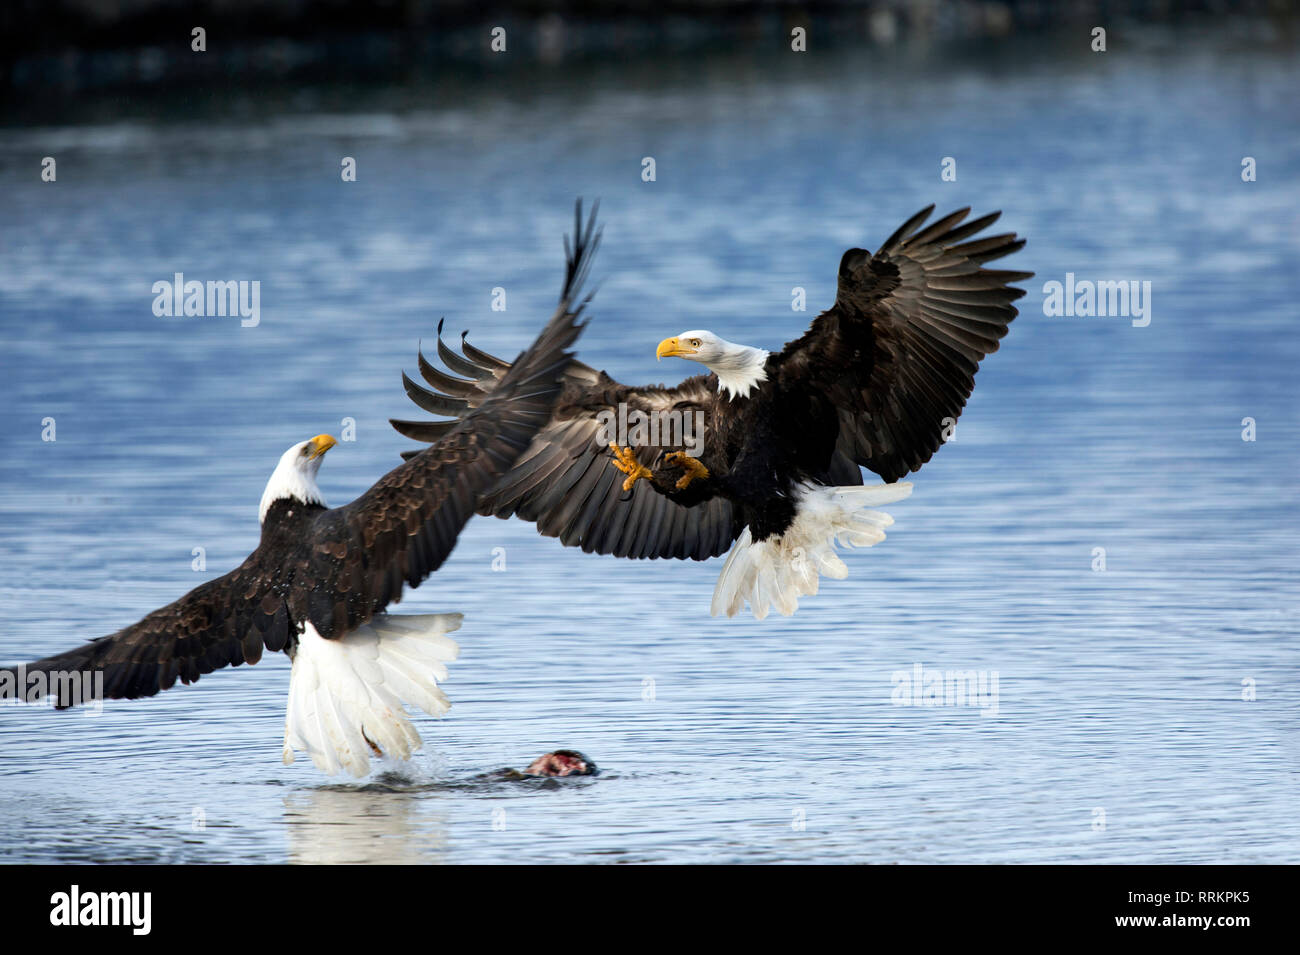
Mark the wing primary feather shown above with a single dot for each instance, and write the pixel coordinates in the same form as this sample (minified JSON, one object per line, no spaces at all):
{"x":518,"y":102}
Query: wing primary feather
{"x":907,"y":228}
{"x":426,"y":431}
{"x":482,"y":358}
{"x":455,"y":387}
{"x":430,"y":401}
{"x":461,"y":365}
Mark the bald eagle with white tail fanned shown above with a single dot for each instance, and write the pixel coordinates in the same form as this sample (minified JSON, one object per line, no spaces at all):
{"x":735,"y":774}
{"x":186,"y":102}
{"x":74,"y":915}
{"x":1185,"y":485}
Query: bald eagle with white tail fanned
{"x":319,"y":581}
{"x":877,"y":381}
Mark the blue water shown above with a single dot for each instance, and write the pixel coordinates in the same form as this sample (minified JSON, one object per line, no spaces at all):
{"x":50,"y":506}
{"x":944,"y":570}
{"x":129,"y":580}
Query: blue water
{"x":1121,"y":734}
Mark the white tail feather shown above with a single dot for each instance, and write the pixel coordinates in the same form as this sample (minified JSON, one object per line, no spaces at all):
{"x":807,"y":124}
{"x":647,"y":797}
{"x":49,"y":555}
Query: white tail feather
{"x":778,"y":571}
{"x":344,"y":692}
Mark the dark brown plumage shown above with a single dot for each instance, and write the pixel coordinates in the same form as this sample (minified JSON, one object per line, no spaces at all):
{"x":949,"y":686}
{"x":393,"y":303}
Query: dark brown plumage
{"x":873,"y":382}
{"x":336,"y":568}
{"x":898,"y":351}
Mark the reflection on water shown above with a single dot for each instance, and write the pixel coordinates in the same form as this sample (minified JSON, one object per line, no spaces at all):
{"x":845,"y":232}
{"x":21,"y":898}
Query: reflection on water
{"x":349,"y":826}
{"x":399,"y":818}
{"x":1123,"y":694}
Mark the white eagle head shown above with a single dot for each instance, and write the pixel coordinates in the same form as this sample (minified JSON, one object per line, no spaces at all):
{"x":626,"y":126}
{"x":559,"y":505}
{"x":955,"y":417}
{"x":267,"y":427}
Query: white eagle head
{"x":740,"y":368}
{"x":294,"y":478}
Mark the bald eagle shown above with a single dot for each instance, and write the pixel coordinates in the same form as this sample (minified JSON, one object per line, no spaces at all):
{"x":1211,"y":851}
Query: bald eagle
{"x":877,"y":381}
{"x":320,"y":579}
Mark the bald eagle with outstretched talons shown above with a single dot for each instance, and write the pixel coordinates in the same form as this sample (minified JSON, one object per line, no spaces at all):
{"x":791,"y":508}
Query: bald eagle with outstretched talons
{"x":321,"y":578}
{"x":877,"y":381}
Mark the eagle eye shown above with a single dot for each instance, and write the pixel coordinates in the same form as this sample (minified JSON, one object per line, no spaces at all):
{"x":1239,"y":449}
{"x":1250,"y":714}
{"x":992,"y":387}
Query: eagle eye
{"x":695,"y":343}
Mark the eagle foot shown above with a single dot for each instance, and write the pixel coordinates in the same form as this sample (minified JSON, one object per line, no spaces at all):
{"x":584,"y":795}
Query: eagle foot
{"x":694,"y":469}
{"x":625,"y":460}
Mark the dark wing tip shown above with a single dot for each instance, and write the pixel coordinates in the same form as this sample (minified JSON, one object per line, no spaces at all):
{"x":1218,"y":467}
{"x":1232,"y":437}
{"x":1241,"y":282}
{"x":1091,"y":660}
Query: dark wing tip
{"x":905,"y":230}
{"x":578,"y":255}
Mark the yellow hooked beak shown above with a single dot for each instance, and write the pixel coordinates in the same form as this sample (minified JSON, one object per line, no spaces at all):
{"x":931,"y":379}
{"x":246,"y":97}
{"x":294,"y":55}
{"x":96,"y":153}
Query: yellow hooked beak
{"x":673,"y":348}
{"x":320,"y":444}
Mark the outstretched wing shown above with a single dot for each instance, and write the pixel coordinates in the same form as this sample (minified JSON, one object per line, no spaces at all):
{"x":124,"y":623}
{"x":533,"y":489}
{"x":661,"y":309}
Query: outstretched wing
{"x":566,"y":481}
{"x":356,"y":558}
{"x":403,"y":528}
{"x":898,"y":351}
{"x":224,"y":622}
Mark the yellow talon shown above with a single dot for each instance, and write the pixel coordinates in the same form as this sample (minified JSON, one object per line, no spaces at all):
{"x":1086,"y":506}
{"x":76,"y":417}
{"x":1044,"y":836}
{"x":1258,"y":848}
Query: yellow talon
{"x":694,"y":469}
{"x":625,"y":460}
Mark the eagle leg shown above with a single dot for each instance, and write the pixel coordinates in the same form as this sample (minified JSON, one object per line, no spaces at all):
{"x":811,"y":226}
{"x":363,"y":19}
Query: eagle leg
{"x":625,"y":460}
{"x":694,"y":469}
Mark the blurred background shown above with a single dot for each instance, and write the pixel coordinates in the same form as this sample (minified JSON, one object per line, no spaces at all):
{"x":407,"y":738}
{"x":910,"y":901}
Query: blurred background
{"x":1148,"y":703}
